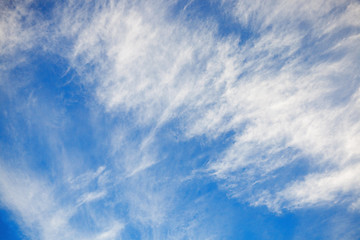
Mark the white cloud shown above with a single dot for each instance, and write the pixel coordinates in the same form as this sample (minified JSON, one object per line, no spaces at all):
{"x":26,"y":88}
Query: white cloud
{"x":329,"y":187}
{"x":111,"y":233}
{"x":20,"y":31}
{"x":91,"y":196}
{"x":303,"y":106}
{"x":285,"y":89}
{"x":37,"y":207}
{"x":13,"y":31}
{"x":85,"y":179}
{"x":324,"y":187}
{"x":33,"y":202}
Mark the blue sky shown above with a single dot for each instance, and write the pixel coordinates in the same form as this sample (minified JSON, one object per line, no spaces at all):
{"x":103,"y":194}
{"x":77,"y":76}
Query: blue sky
{"x":180,"y":119}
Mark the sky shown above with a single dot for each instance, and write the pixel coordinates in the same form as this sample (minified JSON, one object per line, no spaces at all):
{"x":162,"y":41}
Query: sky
{"x":179,"y":119}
